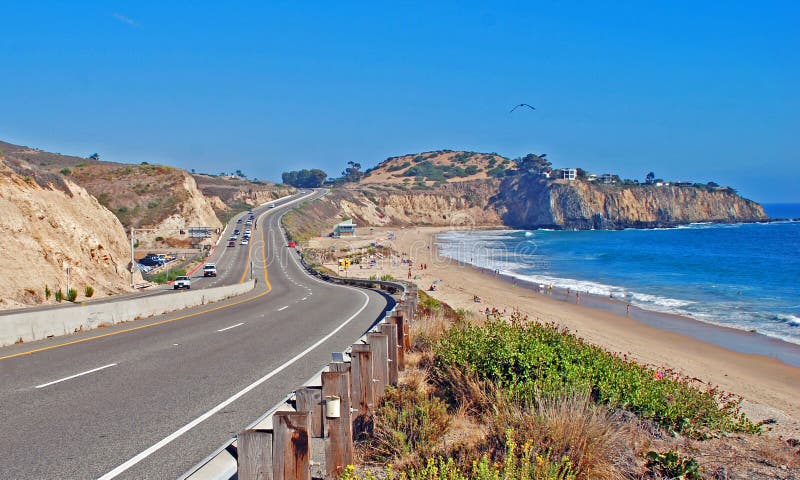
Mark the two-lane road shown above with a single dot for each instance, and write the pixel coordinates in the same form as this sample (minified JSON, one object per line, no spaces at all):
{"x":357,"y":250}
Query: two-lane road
{"x":133,"y":402}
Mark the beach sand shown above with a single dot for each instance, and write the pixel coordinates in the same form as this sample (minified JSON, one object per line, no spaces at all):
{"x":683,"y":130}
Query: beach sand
{"x":771,"y":388}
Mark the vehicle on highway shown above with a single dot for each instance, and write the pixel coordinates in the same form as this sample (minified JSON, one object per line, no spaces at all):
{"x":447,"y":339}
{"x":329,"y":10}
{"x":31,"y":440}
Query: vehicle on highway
{"x":232,"y":243}
{"x":236,"y":232}
{"x":271,"y":205}
{"x":248,"y":232}
{"x":244,"y":241}
{"x":182,"y":282}
{"x":151,"y":260}
{"x":209,"y":270}
{"x":239,"y":221}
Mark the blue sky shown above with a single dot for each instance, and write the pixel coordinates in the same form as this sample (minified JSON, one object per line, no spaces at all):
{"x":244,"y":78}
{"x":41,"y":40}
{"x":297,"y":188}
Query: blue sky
{"x":691,"y":90}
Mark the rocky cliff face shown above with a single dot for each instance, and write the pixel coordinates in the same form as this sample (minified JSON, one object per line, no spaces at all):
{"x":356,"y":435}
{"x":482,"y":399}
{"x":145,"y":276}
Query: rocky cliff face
{"x":47,"y":227}
{"x":527,"y":202}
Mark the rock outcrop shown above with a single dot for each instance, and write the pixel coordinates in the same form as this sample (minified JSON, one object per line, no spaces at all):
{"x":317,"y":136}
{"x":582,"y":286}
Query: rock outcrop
{"x":530,"y":202}
{"x":47,"y":227}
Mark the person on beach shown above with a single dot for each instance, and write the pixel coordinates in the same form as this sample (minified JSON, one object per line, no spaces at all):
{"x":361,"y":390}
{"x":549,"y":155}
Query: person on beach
{"x":628,"y":310}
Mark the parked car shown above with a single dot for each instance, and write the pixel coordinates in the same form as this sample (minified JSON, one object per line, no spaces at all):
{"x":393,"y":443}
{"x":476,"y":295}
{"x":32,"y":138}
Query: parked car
{"x":292,"y":245}
{"x":182,"y":282}
{"x":209,"y":270}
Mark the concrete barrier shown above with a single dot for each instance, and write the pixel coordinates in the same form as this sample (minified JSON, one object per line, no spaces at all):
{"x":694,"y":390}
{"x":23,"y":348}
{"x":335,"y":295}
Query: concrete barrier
{"x":36,"y":325}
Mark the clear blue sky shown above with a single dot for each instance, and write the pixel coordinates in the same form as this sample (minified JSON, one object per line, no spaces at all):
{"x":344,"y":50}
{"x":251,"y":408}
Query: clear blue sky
{"x":691,"y":90}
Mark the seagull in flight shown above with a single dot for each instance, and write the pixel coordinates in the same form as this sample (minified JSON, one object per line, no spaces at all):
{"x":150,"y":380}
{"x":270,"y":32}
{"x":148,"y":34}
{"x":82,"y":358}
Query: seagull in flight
{"x":522,"y":105}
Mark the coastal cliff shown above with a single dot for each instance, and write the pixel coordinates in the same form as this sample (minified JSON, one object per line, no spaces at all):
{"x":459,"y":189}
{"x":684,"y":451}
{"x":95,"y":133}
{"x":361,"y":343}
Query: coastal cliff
{"x":528,"y":202}
{"x":453,"y":188}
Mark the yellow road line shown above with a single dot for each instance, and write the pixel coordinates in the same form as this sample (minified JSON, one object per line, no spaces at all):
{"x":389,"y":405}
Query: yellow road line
{"x":162,"y":322}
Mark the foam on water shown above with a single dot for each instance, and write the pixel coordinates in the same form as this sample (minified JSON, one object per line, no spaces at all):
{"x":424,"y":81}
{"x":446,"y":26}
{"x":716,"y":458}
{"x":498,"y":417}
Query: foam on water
{"x":742,"y":276}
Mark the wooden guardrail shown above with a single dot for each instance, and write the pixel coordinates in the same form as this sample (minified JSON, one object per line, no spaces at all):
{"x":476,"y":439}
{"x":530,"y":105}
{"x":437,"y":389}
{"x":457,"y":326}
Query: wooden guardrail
{"x":337,"y":413}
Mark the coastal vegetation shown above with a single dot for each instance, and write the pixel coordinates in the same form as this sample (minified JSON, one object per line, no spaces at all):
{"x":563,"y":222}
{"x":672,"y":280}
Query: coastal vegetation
{"x":502,"y":397}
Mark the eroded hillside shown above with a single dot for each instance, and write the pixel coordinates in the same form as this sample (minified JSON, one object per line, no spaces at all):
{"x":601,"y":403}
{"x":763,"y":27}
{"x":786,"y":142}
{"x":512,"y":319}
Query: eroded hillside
{"x":48,"y":224}
{"x":230,"y":195}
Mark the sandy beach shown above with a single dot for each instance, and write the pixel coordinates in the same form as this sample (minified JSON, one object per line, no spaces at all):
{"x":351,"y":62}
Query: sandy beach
{"x":770,"y":387}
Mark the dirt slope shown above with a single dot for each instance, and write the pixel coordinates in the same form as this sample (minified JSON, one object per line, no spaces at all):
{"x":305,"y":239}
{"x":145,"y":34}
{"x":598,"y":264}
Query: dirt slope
{"x":49,"y":224}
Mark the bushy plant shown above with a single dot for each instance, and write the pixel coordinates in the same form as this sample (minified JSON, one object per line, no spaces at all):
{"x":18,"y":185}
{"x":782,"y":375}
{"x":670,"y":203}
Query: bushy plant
{"x":88,"y":291}
{"x":59,"y":296}
{"x":530,"y":359}
{"x":407,"y":421}
{"x":387,"y":277}
{"x":47,"y":292}
{"x":672,"y":464}
{"x":72,"y":294}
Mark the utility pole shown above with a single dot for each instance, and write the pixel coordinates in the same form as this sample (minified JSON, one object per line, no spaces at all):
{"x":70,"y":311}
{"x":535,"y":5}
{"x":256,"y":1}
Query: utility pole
{"x":133,"y":261}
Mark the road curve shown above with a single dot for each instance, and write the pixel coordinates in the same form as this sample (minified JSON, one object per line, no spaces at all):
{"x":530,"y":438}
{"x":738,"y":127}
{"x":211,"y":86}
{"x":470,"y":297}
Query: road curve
{"x":151,"y":398}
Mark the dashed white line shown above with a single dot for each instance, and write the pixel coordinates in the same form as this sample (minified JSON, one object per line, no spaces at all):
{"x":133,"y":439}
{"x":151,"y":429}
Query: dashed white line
{"x":232,"y":326}
{"x":149,"y":451}
{"x":283,"y":308}
{"x":303,"y":299}
{"x":76,"y":375}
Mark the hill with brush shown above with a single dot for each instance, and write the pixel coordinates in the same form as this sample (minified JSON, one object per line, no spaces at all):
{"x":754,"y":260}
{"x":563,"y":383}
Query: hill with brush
{"x":456,"y":188}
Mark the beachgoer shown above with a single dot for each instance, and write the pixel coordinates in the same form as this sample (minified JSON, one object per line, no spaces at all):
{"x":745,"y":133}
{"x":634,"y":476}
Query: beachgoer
{"x":628,"y":310}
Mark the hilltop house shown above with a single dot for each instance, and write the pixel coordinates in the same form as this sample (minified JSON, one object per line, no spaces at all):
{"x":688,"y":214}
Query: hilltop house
{"x":569,"y":173}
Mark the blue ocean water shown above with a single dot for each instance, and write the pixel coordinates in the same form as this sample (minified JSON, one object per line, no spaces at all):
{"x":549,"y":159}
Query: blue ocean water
{"x":745,"y":276}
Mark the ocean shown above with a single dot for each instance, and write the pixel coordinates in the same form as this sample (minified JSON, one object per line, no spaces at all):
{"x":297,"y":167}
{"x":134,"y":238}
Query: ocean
{"x":744,"y":276}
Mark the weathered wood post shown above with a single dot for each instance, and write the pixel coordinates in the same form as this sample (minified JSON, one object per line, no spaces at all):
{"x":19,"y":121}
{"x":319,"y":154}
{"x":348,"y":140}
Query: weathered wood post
{"x":361,"y":375}
{"x":398,"y":322}
{"x":339,"y":366}
{"x":254,"y":455}
{"x":338,"y":430}
{"x":309,"y":399}
{"x":291,"y":450}
{"x":380,"y":363}
{"x":390,"y":330}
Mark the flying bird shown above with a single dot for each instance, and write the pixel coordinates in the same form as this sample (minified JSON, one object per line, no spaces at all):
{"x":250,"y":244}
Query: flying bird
{"x":522,"y":105}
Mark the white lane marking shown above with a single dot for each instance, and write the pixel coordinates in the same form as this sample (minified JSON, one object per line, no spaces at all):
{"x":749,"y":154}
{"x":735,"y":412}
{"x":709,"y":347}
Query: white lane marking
{"x":303,"y":299}
{"x":232,"y":326}
{"x":283,"y":308}
{"x":76,"y":375}
{"x":177,"y":433}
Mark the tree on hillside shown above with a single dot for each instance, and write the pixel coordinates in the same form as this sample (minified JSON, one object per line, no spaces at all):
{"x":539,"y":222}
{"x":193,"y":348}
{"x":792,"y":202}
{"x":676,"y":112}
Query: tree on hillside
{"x":94,"y":156}
{"x":240,"y":174}
{"x":650,"y":178}
{"x":352,"y":173}
{"x":313,"y":178}
{"x":533,"y":164}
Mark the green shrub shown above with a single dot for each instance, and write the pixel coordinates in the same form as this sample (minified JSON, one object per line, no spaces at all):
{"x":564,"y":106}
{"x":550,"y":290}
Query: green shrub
{"x":88,"y":291}
{"x":47,"y":292}
{"x":65,"y":171}
{"x":530,"y":360}
{"x":165,"y":277}
{"x":407,"y":421}
{"x":672,"y":465}
{"x":387,"y":277}
{"x":72,"y":294}
{"x":59,"y":295}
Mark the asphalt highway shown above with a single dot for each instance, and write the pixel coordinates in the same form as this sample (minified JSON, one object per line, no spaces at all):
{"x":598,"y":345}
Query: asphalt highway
{"x":149,"y":399}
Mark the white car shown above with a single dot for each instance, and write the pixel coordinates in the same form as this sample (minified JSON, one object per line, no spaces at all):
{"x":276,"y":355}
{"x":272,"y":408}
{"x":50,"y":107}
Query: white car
{"x":209,"y":270}
{"x":271,"y":205}
{"x":244,"y":242}
{"x":182,"y":282}
{"x":247,"y":232}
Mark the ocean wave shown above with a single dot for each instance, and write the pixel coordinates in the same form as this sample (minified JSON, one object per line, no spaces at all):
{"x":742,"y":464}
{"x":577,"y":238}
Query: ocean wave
{"x":789,"y":319}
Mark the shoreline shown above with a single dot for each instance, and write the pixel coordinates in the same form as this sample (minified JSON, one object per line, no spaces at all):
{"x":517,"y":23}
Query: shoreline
{"x":738,"y":340}
{"x":770,"y":387}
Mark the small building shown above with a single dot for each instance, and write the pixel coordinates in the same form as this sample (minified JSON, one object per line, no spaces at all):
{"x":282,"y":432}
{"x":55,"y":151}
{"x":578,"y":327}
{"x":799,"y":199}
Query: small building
{"x":569,"y":173}
{"x":591,"y":177}
{"x":608,"y":179}
{"x":347,"y":227}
